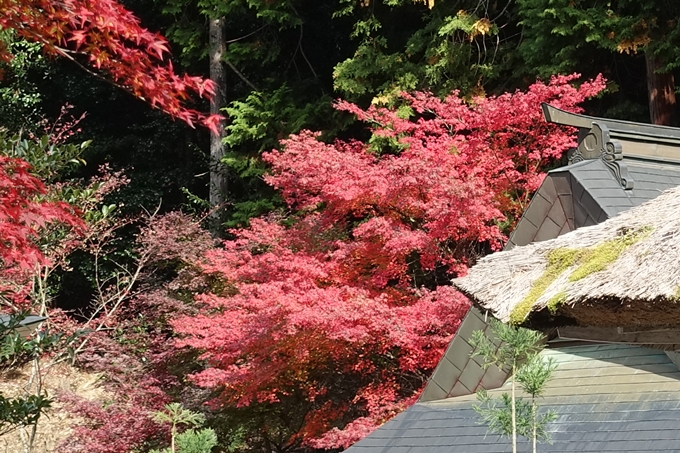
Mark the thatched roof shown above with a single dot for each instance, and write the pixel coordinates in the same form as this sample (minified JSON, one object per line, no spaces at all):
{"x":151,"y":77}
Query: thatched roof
{"x":624,"y":271}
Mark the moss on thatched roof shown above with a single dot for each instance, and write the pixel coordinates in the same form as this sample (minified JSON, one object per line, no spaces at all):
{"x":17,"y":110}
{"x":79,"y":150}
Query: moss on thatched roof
{"x":625,"y":270}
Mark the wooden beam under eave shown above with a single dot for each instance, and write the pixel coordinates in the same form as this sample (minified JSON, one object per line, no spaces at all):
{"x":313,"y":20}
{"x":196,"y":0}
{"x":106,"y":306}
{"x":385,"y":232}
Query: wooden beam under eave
{"x":626,"y":335}
{"x":618,"y":128}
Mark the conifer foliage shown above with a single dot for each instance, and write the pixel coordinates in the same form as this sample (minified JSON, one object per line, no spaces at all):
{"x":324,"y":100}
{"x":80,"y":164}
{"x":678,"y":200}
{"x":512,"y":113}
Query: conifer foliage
{"x":342,"y":308}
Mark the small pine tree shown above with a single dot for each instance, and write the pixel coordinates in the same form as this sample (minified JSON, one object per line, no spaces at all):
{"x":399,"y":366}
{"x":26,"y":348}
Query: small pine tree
{"x":532,"y":378}
{"x":518,"y":350}
{"x":190,"y":441}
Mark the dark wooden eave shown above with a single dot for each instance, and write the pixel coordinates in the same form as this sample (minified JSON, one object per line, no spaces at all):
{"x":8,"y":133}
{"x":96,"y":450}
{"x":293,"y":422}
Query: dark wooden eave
{"x":638,"y":139}
{"x":661,"y":338}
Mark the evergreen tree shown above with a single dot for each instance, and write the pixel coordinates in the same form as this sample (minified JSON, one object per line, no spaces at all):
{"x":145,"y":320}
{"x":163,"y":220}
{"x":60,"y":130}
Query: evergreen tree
{"x":189,"y":441}
{"x":515,"y":349}
{"x":561,"y":36}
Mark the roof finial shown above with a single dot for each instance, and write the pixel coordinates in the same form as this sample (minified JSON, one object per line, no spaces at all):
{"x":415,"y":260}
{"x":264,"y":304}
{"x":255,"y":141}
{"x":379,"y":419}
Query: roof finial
{"x":597,"y":143}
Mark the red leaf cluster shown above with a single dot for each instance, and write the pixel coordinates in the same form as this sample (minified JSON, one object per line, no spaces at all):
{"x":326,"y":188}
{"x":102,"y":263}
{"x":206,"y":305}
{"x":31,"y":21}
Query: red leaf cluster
{"x":500,"y":144}
{"x":23,"y":215}
{"x":123,"y":425}
{"x":106,"y":37}
{"x":133,"y":352}
{"x":346,"y":305}
{"x":287,"y":321}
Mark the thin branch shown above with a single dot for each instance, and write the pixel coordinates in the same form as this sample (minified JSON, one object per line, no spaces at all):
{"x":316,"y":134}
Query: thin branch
{"x":302,"y":52}
{"x":240,"y":74}
{"x":245,"y":36}
{"x":507,"y":5}
{"x":66,"y":53}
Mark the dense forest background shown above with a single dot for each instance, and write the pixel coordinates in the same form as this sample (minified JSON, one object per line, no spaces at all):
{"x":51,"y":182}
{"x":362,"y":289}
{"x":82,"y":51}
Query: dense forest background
{"x":286,"y":274}
{"x":285,"y":63}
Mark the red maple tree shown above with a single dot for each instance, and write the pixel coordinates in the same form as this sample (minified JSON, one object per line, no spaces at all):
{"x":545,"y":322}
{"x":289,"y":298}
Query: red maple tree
{"x":344,"y":307}
{"x":108,"y":40}
{"x":24,"y":214}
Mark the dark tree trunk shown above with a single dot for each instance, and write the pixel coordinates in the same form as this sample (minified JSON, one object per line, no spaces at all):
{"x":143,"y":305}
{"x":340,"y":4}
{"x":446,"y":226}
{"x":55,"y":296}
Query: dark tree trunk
{"x":661,"y":92}
{"x":218,"y":174}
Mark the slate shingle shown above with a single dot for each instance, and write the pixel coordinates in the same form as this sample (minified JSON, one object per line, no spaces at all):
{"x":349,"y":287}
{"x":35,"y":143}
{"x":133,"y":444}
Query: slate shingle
{"x":588,"y":193}
{"x":625,"y":420}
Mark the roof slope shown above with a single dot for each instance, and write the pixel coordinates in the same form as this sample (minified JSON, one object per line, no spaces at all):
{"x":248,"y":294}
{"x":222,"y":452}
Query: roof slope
{"x":587,"y":193}
{"x":616,"y":165}
{"x":605,"y":275}
{"x":609,"y":398}
{"x":457,"y":372}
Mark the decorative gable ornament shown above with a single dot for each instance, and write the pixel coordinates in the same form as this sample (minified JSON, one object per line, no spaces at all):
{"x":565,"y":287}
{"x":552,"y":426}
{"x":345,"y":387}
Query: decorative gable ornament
{"x":597,"y":143}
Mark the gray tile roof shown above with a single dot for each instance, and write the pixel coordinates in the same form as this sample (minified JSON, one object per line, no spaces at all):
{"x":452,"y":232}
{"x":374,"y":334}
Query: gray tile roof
{"x":587,"y":193}
{"x":609,"y":398}
{"x":459,"y":374}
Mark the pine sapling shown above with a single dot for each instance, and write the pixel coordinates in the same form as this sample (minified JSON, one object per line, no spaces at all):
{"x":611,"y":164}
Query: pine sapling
{"x":532,"y":378}
{"x":176,"y":415}
{"x":515,"y":348}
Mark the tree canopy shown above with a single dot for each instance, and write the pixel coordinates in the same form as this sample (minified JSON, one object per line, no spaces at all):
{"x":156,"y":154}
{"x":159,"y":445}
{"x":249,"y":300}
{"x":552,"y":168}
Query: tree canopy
{"x":560,"y":36}
{"x":335,"y":314}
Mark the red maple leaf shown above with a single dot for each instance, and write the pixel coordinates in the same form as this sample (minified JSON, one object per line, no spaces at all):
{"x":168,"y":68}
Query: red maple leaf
{"x":116,"y":45}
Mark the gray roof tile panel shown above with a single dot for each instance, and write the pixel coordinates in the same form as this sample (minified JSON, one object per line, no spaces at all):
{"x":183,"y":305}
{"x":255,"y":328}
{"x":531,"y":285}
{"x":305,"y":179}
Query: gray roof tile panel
{"x":576,"y":190}
{"x":458,"y":373}
{"x":601,"y":178}
{"x":472,"y":376}
{"x":549,"y":230}
{"x":603,"y":216}
{"x":562,"y":183}
{"x":557,"y":213}
{"x":650,"y":180}
{"x":566,"y":228}
{"x":548,"y":189}
{"x":524,"y":233}
{"x":580,"y":216}
{"x":568,"y":207}
{"x":447,"y":373}
{"x":540,"y":208}
{"x":474,"y":320}
{"x":647,"y":178}
{"x":606,"y":193}
{"x":595,"y":413}
{"x":645,"y":193}
{"x":590,"y":205}
{"x":433,"y":391}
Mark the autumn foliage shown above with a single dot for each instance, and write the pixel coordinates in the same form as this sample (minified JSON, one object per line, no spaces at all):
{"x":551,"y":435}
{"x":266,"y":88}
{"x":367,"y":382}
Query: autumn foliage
{"x":103,"y":37}
{"x":129,"y":346}
{"x":24,"y":214}
{"x":343,"y":307}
